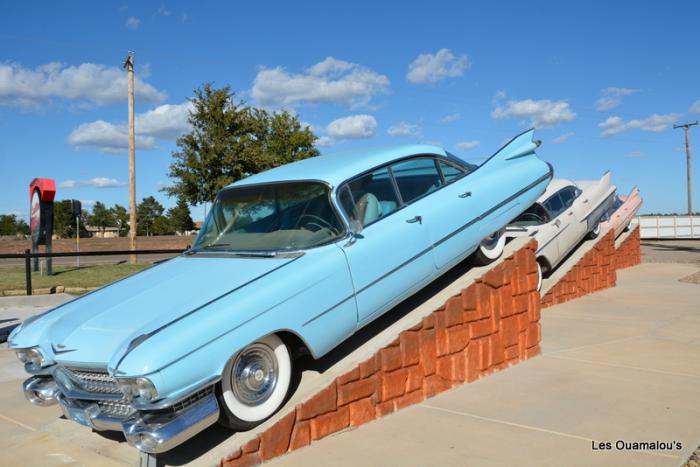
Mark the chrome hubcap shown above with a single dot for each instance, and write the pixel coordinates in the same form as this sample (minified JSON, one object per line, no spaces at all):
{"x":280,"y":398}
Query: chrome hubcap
{"x":254,"y":374}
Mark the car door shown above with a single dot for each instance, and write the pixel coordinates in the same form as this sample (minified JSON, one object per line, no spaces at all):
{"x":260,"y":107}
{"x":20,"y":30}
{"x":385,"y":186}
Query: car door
{"x":571,"y":205}
{"x":391,"y":257}
{"x":552,"y":249}
{"x":451,"y":210}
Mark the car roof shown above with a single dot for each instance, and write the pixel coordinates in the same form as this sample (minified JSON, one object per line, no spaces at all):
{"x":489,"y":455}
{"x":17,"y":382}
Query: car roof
{"x":554,"y":186}
{"x":338,"y":167}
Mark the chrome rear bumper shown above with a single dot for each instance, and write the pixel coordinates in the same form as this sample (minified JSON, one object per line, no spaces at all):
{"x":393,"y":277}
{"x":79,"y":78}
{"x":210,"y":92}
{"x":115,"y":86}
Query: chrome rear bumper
{"x":149,"y":431}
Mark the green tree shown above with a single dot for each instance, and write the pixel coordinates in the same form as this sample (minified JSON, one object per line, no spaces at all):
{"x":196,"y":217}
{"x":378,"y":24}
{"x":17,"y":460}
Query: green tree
{"x":22,"y":227}
{"x":230,"y":141}
{"x":147,"y":211}
{"x":121,"y":218}
{"x":180,"y":216}
{"x":8,"y":224}
{"x":63,"y":221}
{"x":162,"y":226}
{"x":101,"y":217}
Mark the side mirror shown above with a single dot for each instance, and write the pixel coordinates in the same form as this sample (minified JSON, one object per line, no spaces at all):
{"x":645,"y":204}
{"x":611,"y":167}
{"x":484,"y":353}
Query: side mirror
{"x":355,"y":227}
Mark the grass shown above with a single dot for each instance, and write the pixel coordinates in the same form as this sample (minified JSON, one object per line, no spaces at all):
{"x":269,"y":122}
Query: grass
{"x":12,"y":278}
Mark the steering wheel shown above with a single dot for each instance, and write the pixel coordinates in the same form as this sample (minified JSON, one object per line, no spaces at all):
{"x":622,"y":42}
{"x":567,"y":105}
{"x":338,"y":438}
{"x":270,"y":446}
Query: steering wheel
{"x":316,"y":221}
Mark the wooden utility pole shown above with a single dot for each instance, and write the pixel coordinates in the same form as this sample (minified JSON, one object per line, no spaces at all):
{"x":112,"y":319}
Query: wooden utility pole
{"x":129,"y":66}
{"x":686,"y":126}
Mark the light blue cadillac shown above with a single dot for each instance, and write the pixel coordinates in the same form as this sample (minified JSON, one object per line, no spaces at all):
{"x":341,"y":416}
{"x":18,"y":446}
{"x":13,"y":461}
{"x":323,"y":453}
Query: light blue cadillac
{"x":298,"y":257}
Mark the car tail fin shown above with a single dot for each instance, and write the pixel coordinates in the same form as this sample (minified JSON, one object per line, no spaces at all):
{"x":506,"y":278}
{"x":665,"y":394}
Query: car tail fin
{"x":520,"y":146}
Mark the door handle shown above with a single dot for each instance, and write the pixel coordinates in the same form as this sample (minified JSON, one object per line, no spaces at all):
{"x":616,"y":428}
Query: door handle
{"x":418,"y":219}
{"x":557,"y":222}
{"x":585,"y":200}
{"x":466,"y":194}
{"x":571,"y":213}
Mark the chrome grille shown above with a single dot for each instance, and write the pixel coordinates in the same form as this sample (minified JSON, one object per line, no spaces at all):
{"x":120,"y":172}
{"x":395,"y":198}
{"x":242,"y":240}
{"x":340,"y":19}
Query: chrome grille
{"x":188,"y":401}
{"x":119,"y":409}
{"x":93,"y":381}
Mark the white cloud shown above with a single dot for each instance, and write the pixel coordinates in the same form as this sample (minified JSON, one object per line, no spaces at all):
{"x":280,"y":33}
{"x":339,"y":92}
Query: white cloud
{"x":132,"y":22}
{"x":541,"y":113}
{"x":325,"y":141}
{"x":695,"y":108}
{"x":633,"y":154}
{"x":560,"y":139}
{"x":163,"y":11}
{"x":612,"y":97}
{"x":429,"y":68}
{"x":612,"y":126}
{"x":352,"y":127}
{"x":655,"y":123}
{"x":329,"y":81}
{"x":467,"y":145}
{"x":87,"y":83}
{"x":164,"y":122}
{"x":97,"y":182}
{"x":404,"y":129}
{"x":451,"y":118}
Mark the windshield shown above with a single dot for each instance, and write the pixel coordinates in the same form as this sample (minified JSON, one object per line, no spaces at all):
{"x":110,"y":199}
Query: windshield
{"x":270,"y":217}
{"x":534,"y":215}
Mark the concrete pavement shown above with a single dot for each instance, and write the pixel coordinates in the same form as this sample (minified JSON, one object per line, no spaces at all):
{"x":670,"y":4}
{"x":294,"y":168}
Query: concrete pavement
{"x":622,"y":364}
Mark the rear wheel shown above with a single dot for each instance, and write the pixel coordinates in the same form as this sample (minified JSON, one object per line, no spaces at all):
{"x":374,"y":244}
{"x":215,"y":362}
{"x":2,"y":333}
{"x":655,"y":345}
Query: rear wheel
{"x":628,"y":226}
{"x":539,"y":276}
{"x":595,"y":232}
{"x":490,"y":249}
{"x":255,"y":383}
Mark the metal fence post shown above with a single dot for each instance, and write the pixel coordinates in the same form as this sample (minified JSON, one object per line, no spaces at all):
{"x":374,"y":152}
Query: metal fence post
{"x":28,"y":271}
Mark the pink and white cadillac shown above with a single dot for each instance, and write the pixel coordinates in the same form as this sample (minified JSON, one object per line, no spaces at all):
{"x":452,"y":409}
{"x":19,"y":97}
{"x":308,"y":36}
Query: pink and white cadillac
{"x":623,"y":211}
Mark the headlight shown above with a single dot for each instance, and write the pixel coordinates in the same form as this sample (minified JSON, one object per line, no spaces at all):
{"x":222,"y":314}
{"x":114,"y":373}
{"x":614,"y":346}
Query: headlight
{"x":31,"y":357}
{"x":142,"y":388}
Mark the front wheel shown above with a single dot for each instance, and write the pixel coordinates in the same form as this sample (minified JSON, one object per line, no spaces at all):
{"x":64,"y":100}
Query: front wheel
{"x":490,"y":249}
{"x":254,"y":383}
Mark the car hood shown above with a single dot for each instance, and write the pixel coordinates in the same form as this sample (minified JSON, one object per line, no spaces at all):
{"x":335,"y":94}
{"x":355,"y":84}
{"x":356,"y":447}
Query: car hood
{"x":92,"y":329}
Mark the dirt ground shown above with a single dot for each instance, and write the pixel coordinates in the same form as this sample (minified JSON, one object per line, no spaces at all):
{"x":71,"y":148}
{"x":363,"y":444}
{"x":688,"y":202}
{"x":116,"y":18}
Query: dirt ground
{"x":103,"y":244}
{"x":671,"y":251}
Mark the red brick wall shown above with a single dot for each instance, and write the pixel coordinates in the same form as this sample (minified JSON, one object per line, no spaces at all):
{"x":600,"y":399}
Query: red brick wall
{"x":492,"y":324}
{"x":629,"y":252}
{"x":595,"y":271}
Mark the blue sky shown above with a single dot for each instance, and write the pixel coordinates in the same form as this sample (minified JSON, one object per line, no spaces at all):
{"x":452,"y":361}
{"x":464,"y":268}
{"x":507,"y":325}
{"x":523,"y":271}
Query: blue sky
{"x":603,"y":82}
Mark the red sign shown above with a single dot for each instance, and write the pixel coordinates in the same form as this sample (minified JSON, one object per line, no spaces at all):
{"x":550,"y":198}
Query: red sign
{"x":41,"y":194}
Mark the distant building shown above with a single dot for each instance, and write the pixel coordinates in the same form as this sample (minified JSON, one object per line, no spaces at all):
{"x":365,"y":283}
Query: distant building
{"x":99,"y":232}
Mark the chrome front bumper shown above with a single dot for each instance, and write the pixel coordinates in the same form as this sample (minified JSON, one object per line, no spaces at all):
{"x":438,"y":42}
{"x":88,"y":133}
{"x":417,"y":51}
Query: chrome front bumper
{"x":149,"y":431}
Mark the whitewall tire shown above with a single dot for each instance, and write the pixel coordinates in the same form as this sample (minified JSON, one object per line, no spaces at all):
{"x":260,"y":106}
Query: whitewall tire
{"x":540,"y":280}
{"x":254,"y":383}
{"x":490,"y":249}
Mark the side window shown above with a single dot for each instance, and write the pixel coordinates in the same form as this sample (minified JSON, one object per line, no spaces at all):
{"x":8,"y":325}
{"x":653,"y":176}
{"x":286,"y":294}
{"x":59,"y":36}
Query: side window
{"x":416,"y":177}
{"x":450,"y":172}
{"x":369,"y":197}
{"x":554,"y":205}
{"x":568,"y":195}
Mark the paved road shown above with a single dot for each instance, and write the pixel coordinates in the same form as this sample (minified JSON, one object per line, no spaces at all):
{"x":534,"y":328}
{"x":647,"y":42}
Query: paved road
{"x":622,"y":364}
